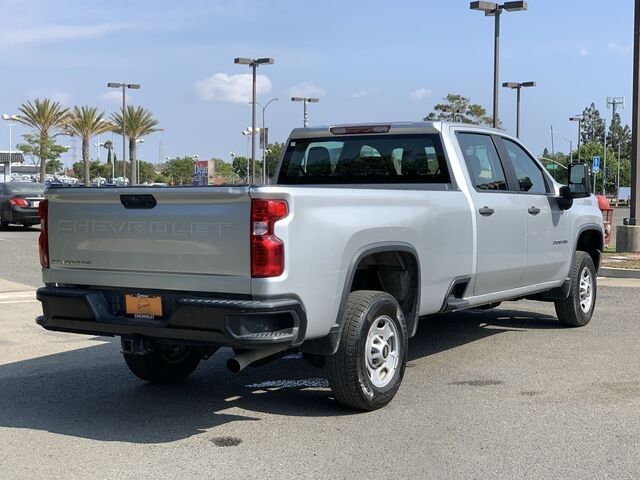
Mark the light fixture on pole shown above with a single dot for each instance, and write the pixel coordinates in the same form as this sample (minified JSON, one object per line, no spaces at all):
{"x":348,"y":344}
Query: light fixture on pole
{"x":124,"y":86}
{"x":248,"y":132}
{"x":491,"y":9}
{"x":578,"y":118}
{"x":305,"y":100}
{"x":253,"y":63}
{"x":517,"y":86}
{"x":10,"y":119}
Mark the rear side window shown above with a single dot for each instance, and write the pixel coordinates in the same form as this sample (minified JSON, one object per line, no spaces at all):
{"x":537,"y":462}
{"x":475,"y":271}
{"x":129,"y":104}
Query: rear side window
{"x":528,"y":174}
{"x":483,"y":162}
{"x":365,"y":159}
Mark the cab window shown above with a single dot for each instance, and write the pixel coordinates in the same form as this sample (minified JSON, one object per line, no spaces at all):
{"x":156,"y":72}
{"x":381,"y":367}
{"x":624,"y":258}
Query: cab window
{"x":483,"y":162}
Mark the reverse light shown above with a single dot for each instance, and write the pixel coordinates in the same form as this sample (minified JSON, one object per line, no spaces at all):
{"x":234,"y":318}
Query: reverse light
{"x":18,"y":202}
{"x":43,"y":239}
{"x":267,"y":250}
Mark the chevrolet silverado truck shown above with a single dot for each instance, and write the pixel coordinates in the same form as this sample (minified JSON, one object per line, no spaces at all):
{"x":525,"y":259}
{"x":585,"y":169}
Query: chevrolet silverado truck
{"x":366,"y":229}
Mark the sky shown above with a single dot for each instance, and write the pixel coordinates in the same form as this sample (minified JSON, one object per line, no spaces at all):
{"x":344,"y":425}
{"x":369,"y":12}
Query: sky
{"x":367,"y":61}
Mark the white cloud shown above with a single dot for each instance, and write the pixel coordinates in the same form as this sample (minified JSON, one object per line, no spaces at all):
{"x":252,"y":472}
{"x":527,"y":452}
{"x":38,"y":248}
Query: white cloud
{"x":47,"y":33}
{"x":420,"y":93}
{"x":584,"y":52}
{"x":231,"y":88}
{"x":306,"y":89}
{"x":57,"y":96}
{"x":112,"y":96}
{"x":621,"y":49}
{"x":363,"y":93}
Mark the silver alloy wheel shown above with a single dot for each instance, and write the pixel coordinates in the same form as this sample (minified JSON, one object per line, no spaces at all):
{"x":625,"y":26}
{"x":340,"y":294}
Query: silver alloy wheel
{"x":382,"y":351}
{"x":586,"y":290}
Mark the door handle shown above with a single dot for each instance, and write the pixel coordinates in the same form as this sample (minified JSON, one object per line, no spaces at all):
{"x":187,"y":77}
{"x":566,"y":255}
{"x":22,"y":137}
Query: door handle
{"x":534,"y":210}
{"x":486,"y":211}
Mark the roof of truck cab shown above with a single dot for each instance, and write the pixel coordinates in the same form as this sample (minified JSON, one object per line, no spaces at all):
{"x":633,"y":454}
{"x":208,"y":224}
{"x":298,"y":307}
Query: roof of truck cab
{"x":395,"y":128}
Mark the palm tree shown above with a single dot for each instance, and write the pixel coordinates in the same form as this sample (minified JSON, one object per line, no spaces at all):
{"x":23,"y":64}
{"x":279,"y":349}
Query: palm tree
{"x":139,"y":123}
{"x":44,"y":116}
{"x":86,"y":122}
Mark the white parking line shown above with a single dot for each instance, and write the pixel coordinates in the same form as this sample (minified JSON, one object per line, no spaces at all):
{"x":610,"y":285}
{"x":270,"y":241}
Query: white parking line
{"x":17,"y":301}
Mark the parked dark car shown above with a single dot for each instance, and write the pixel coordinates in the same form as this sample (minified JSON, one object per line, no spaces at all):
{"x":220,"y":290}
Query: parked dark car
{"x":19,"y":203}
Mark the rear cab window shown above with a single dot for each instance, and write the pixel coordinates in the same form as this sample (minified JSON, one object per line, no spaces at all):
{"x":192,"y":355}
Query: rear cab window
{"x":483,"y":161}
{"x":365,"y":159}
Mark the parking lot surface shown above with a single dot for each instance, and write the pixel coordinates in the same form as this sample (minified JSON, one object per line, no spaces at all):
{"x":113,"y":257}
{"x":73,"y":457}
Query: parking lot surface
{"x":505,"y":393}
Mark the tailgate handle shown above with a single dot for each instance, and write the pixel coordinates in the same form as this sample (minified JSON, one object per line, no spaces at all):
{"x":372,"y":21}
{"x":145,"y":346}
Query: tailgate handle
{"x":138,"y":201}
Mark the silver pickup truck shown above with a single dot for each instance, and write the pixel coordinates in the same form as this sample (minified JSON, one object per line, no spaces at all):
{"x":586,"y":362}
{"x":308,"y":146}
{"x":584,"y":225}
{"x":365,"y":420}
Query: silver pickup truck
{"x":366,"y":229}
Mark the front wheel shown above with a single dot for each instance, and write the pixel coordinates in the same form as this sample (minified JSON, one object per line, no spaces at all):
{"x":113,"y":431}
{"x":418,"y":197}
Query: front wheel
{"x":165,"y":363}
{"x":366,"y":371}
{"x":577,"y":309}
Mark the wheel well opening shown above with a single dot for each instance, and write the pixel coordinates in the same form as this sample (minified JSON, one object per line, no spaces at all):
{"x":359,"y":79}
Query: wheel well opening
{"x":590,"y":241}
{"x":394,"y":272}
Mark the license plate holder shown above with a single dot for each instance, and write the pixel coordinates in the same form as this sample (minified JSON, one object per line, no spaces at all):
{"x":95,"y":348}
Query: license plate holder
{"x":143,"y":306}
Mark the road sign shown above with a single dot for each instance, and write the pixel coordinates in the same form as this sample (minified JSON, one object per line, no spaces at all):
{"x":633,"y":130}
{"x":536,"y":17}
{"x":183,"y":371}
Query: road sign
{"x":552,"y":166}
{"x":596,"y":164}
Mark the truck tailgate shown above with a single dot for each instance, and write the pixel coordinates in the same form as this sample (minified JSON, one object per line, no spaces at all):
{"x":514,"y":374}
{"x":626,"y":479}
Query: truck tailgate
{"x":193,"y":238}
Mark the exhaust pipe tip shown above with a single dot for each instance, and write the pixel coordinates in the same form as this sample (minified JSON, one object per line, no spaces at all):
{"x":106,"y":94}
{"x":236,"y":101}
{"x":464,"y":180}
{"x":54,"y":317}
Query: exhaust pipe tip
{"x":233,"y":365}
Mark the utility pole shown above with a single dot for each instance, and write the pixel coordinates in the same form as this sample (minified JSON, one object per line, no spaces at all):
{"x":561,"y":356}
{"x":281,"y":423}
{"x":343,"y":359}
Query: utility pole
{"x":613,"y":102}
{"x":628,"y":235}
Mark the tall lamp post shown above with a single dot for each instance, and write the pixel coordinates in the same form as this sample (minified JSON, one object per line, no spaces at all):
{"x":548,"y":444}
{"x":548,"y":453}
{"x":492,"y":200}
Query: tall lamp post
{"x":10,"y":119}
{"x":491,"y":9}
{"x":517,"y":86}
{"x":138,"y":140}
{"x":578,"y":118}
{"x":305,"y":100}
{"x":124,"y":86}
{"x":263,"y":136}
{"x":253,"y":63}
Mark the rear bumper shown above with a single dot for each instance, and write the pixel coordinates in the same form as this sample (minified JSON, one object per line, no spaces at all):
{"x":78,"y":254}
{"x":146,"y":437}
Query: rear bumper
{"x":189,"y":319}
{"x":24,"y":216}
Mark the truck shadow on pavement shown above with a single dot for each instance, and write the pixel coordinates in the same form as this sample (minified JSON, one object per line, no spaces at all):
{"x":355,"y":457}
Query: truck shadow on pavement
{"x":89,"y":392}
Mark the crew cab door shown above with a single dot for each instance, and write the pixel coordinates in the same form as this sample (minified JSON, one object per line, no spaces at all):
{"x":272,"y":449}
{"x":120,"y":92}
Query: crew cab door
{"x":500,"y":222}
{"x":548,"y":227}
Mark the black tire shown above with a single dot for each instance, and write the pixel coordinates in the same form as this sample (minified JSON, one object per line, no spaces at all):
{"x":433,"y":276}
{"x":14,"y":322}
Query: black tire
{"x":165,"y":363}
{"x":347,"y":370}
{"x":571,"y":311}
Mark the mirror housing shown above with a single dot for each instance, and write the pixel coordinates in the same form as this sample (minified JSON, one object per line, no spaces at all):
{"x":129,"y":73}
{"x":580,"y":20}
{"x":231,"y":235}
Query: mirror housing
{"x":578,"y":185}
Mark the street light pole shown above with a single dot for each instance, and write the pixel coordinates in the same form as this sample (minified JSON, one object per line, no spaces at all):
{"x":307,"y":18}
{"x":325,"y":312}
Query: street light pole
{"x":491,"y":9}
{"x":305,"y":100}
{"x":253,"y":63}
{"x":9,"y":119}
{"x":518,"y":86}
{"x":124,"y":86}
{"x":578,"y":118}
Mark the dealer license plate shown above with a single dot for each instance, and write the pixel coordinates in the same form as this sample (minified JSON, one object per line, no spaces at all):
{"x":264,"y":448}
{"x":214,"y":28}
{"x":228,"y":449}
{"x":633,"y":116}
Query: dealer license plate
{"x":143,"y":306}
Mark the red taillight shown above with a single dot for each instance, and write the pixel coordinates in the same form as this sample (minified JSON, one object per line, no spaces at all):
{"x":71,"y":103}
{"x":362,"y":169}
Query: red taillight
{"x":18,"y":202}
{"x":267,"y":250}
{"x":43,"y":239}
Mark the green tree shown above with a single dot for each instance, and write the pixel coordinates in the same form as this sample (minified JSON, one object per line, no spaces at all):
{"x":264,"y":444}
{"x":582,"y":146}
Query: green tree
{"x":240,"y":165}
{"x":45,"y":117}
{"x":108,"y":145}
{"x":86,"y":122}
{"x":457,"y":108}
{"x":619,"y":135}
{"x":592,"y":127}
{"x":139,"y":123}
{"x":179,"y":170}
{"x":147,"y":172}
{"x":36,"y":145}
{"x":274,"y":152}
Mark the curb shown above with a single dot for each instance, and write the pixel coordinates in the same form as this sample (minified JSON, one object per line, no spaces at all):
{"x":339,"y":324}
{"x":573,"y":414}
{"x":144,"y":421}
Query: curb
{"x":619,"y":272}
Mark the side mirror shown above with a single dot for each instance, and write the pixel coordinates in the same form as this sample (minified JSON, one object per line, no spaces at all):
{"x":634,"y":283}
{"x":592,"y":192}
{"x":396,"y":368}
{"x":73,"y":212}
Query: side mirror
{"x":578,"y":186}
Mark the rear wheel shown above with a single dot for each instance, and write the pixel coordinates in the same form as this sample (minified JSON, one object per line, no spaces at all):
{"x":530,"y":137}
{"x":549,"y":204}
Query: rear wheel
{"x":366,"y":371}
{"x":577,"y":309}
{"x":165,"y":363}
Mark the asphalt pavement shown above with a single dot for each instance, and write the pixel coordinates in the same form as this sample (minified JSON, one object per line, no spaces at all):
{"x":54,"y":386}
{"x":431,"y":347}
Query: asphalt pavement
{"x":498,"y":394}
